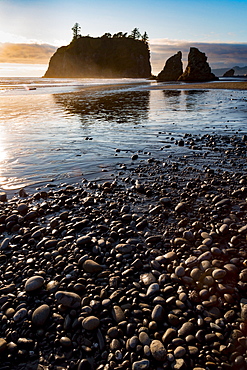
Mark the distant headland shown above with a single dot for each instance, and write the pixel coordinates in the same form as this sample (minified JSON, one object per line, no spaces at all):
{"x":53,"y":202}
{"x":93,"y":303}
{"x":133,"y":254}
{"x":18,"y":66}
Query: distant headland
{"x":108,"y":56}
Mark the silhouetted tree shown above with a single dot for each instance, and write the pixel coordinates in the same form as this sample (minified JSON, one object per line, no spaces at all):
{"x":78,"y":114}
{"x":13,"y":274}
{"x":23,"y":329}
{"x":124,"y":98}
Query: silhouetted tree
{"x":106,"y":35}
{"x":135,"y":34}
{"x":76,"y":29}
{"x":145,"y":37}
{"x":119,"y":35}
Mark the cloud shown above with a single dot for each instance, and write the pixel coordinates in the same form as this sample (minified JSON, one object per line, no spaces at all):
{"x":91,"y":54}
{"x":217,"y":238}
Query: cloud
{"x":26,"y":53}
{"x":220,"y":55}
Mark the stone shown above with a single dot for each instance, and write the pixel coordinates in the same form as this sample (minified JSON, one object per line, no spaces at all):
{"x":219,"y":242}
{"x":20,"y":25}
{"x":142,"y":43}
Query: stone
{"x":40,"y":315}
{"x":118,"y":314}
{"x":152,"y":289}
{"x":3,"y":345}
{"x":158,"y":350}
{"x":141,"y":365}
{"x":173,"y":68}
{"x":229,"y":73}
{"x":198,"y":69}
{"x":83,"y":240}
{"x":68,"y":299}
{"x":123,"y":248}
{"x":186,"y":329}
{"x":179,"y":352}
{"x":20,"y":314}
{"x":144,"y":338}
{"x":169,"y":334}
{"x":90,"y":323}
{"x":5,"y":243}
{"x":91,"y":266}
{"x":34,"y":283}
{"x":148,"y":278}
{"x":3,"y":196}
{"x":219,"y":274}
{"x":158,"y":313}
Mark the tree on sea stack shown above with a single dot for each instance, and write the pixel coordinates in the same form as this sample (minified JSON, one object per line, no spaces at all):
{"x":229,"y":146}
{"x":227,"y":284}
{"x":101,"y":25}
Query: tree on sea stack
{"x":135,"y":34}
{"x":76,"y":29}
{"x":145,"y":37}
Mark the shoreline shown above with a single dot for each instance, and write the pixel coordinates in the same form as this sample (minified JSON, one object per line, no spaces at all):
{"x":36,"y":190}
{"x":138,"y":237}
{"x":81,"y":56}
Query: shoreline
{"x":147,"y":270}
{"x":240,"y":85}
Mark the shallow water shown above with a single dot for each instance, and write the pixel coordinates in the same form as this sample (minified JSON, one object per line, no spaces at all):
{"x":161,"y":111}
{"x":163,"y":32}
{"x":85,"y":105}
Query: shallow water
{"x":66,"y":130}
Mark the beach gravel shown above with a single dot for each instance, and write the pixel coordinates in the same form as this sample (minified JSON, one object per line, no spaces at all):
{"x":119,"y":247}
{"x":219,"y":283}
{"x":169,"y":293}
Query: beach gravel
{"x":147,"y":270}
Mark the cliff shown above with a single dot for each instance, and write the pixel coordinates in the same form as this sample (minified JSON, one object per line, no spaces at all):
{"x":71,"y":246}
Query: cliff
{"x":88,"y":57}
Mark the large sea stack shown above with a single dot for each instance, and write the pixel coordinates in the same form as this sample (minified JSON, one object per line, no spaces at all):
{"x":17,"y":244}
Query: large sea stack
{"x":198,"y":69}
{"x":172,"y":69}
{"x":89,"y":57}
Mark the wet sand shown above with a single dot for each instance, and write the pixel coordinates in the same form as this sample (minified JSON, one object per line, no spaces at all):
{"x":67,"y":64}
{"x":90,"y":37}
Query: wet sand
{"x":241,"y":85}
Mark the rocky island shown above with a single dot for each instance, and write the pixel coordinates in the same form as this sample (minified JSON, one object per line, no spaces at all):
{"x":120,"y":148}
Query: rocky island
{"x":101,"y":57}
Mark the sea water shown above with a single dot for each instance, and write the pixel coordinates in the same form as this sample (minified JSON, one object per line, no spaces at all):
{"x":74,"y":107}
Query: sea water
{"x":64,"y":130}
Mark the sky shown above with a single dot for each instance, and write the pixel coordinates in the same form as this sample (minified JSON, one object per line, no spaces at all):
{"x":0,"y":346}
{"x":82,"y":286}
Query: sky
{"x":217,"y":26}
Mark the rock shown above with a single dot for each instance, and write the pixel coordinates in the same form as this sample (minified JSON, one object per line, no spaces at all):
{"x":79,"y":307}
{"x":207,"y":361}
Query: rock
{"x":123,"y":248}
{"x":5,"y":243}
{"x":158,"y":350}
{"x":20,"y":314}
{"x":3,"y":345}
{"x":173,"y":68}
{"x":141,"y":365}
{"x":144,"y":338}
{"x":83,"y":240}
{"x":40,"y":315}
{"x":198,"y":69}
{"x":179,"y":352}
{"x":90,"y":323}
{"x":148,"y":278}
{"x":118,"y":314}
{"x":101,"y":57}
{"x":3,"y":197}
{"x":229,"y":73}
{"x":169,"y":335}
{"x":68,"y":299}
{"x":219,"y":274}
{"x":91,"y":266}
{"x":186,"y":329}
{"x":152,"y":289}
{"x":34,"y":283}
{"x":158,"y":313}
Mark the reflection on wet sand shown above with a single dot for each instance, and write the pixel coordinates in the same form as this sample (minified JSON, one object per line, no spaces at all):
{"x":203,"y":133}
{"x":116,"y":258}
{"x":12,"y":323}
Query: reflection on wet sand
{"x":176,"y":98}
{"x":120,"y":107}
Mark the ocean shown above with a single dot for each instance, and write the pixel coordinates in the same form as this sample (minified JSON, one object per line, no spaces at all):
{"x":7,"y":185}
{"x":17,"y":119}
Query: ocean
{"x":65,"y":130}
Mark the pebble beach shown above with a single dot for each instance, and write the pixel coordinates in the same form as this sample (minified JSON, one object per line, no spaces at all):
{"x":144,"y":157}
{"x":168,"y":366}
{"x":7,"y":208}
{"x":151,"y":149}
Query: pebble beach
{"x":145,"y":271}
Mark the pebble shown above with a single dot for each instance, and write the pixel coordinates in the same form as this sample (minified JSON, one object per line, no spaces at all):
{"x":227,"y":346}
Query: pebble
{"x":40,"y":315}
{"x":141,"y":365}
{"x":158,"y":350}
{"x":3,"y":345}
{"x":90,"y":323}
{"x":91,"y":266}
{"x":34,"y":283}
{"x":68,"y":299}
{"x":118,"y":314}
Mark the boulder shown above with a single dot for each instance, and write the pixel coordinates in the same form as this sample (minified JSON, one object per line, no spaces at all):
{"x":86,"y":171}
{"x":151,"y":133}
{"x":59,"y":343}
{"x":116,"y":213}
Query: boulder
{"x":229,"y":73}
{"x":173,"y":68}
{"x":198,"y":69}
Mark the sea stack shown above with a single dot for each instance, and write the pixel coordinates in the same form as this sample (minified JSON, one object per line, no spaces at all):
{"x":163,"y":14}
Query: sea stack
{"x":173,"y":68}
{"x":198,"y":69}
{"x":102,"y":57}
